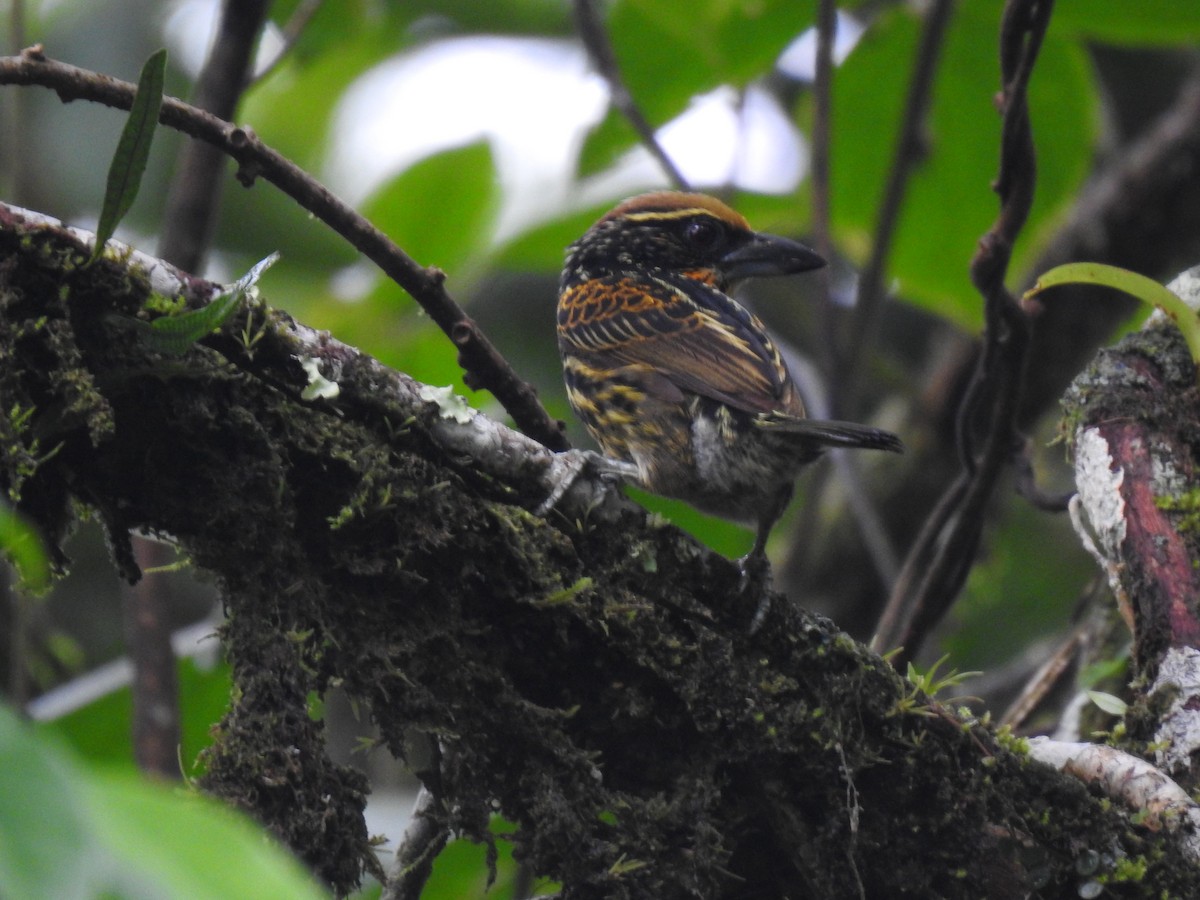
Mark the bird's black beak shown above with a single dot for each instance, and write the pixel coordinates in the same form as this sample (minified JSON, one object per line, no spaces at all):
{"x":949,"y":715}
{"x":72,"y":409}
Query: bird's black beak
{"x":768,"y":254}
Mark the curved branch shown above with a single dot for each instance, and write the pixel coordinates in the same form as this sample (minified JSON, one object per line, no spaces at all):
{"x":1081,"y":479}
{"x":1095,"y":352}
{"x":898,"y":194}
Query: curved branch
{"x":484,"y":366}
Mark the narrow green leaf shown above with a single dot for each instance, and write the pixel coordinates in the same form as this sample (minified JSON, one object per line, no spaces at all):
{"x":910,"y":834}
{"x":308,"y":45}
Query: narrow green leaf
{"x":175,"y":334}
{"x":1149,"y":291}
{"x":133,"y":150}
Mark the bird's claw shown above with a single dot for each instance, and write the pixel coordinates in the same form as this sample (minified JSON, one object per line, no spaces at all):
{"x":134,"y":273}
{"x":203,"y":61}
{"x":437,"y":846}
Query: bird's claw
{"x":566,"y":468}
{"x":756,"y":583}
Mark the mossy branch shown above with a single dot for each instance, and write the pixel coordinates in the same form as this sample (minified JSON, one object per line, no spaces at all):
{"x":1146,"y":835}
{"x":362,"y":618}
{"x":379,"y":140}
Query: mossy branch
{"x":644,"y":743}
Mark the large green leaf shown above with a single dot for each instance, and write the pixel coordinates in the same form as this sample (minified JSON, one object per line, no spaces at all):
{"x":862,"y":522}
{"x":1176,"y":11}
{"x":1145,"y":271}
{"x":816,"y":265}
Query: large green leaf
{"x":1147,"y":22}
{"x":543,"y":249}
{"x":336,"y":21}
{"x":314,"y":85}
{"x":949,"y":204}
{"x":42,"y":821}
{"x":101,"y":731}
{"x":460,"y":871}
{"x":671,"y":50}
{"x":441,"y":210}
{"x":1017,"y":583}
{"x":73,"y":833}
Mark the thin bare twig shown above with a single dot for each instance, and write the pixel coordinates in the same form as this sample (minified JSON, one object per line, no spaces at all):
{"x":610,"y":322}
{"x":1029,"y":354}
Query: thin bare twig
{"x":821,"y":172}
{"x":1047,"y":677}
{"x":292,"y":29}
{"x":595,"y":40}
{"x":908,"y":152}
{"x":938,"y":564}
{"x":12,"y":116}
{"x":484,"y":366}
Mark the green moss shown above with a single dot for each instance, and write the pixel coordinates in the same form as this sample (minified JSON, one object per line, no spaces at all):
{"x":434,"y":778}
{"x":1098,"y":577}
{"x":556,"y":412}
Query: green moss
{"x":1129,"y":869}
{"x":164,"y":306}
{"x":1185,"y":507}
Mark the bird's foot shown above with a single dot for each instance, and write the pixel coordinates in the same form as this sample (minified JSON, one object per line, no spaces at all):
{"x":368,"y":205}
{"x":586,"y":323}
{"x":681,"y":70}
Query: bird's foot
{"x":756,"y":584}
{"x":566,"y":468}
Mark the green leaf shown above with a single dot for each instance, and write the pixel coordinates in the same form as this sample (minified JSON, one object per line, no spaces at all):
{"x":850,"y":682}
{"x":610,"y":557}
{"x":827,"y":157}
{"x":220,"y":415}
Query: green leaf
{"x":441,"y":210}
{"x":175,"y":334}
{"x":21,"y":544}
{"x":206,"y":851}
{"x":543,"y":248}
{"x":68,"y":831}
{"x":1017,"y":583}
{"x":949,"y":204}
{"x":133,"y":150}
{"x":101,"y":731}
{"x":1109,"y":703}
{"x":606,"y":143}
{"x":461,"y":870}
{"x":671,"y":50}
{"x":1147,"y":290}
{"x":1166,"y":22}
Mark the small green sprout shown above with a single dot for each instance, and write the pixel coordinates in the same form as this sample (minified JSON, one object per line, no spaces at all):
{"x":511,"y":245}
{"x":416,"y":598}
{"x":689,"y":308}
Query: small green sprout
{"x":1145,"y":289}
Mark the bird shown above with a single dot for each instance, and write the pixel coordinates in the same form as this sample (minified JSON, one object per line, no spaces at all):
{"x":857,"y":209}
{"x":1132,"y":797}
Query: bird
{"x":679,"y":384}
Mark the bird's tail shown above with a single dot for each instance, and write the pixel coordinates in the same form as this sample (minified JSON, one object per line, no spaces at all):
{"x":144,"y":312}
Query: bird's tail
{"x":833,"y":433}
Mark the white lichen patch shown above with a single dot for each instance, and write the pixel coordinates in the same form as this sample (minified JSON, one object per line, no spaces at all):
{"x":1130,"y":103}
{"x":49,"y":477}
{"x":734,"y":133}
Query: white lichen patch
{"x":1178,"y":734}
{"x":319,"y":387}
{"x":1165,"y":479}
{"x":1099,"y":486}
{"x":450,"y":405}
{"x":1185,"y":286}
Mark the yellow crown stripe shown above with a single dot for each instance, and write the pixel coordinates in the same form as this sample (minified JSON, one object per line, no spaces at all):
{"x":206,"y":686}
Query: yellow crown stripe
{"x":671,"y":214}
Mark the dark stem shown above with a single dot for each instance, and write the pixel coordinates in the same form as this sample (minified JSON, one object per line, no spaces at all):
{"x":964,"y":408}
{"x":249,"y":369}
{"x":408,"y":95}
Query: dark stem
{"x":195,"y":195}
{"x":155,"y":687}
{"x":909,"y":150}
{"x":938,"y":564}
{"x":599,"y":48}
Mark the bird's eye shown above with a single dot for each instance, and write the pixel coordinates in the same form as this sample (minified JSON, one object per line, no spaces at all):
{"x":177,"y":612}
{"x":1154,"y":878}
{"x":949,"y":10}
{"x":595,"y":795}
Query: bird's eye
{"x":703,"y":234}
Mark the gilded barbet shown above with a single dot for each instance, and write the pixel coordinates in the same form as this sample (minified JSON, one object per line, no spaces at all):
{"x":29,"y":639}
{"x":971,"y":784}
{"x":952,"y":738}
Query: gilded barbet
{"x":675,"y":380}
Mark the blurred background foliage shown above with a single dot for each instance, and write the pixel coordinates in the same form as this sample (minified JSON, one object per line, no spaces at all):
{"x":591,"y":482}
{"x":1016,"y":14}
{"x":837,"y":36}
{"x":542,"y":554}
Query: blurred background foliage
{"x":476,"y":135}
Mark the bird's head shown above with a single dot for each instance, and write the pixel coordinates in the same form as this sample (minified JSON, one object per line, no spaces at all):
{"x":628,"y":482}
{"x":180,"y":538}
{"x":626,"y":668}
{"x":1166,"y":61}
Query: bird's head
{"x":689,"y":234}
